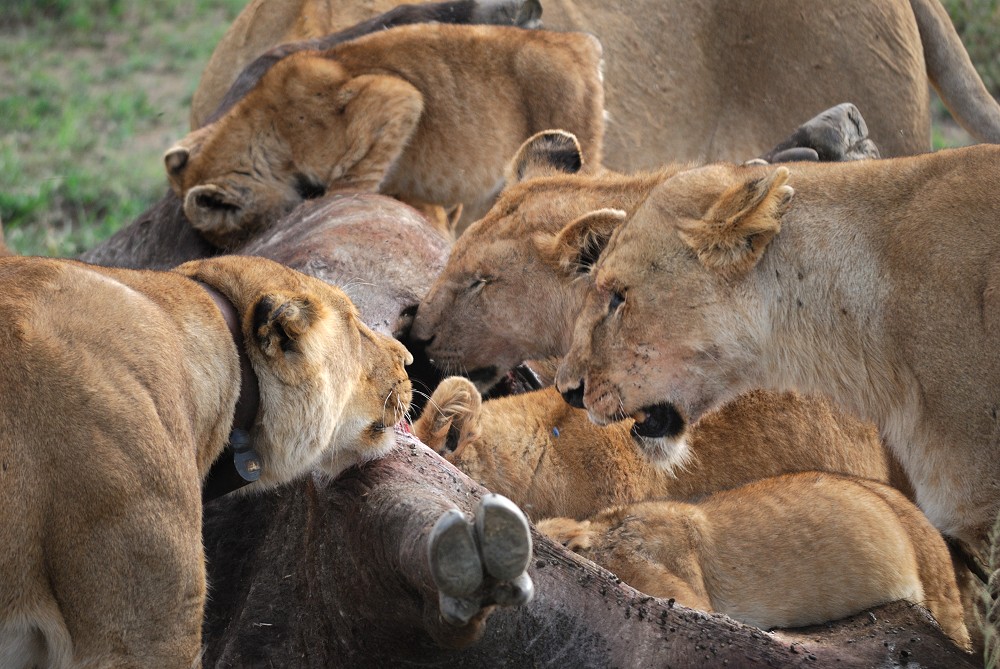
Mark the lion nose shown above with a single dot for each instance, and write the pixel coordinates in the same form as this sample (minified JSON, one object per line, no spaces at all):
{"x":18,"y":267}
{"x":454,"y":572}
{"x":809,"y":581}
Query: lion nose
{"x":574,"y":396}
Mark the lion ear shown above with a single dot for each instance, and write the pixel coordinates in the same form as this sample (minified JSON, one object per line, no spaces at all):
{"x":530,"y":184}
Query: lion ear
{"x":734,"y":232}
{"x":547,"y":153}
{"x":453,"y":411}
{"x":177,"y":157}
{"x":281,"y":320}
{"x":578,"y":245}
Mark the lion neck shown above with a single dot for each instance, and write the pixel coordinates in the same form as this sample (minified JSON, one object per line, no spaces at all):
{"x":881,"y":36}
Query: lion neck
{"x":821,"y":328}
{"x":225,"y":475}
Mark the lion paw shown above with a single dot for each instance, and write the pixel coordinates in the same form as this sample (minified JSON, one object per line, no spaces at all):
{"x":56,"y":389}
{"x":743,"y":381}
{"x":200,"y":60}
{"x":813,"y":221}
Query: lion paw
{"x":481,"y":563}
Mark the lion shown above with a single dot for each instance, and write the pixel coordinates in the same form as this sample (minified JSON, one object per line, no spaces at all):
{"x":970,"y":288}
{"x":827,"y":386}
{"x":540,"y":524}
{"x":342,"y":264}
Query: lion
{"x":410,"y":112}
{"x":788,"y":551}
{"x":873,"y":283}
{"x":707,"y":80}
{"x":129,"y":384}
{"x":509,"y":292}
{"x":551,"y":460}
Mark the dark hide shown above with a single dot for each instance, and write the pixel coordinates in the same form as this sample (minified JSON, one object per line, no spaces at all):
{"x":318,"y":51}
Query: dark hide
{"x":331,"y":574}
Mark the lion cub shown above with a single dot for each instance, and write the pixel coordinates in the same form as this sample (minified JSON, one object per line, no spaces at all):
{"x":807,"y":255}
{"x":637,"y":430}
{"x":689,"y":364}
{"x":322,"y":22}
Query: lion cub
{"x":793,"y":550}
{"x":551,"y":460}
{"x":122,"y":388}
{"x":426,"y":113}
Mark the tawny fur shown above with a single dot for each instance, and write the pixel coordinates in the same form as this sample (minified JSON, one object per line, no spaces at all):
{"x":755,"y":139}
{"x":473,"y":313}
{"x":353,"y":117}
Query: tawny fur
{"x":551,"y":460}
{"x":127,"y":383}
{"x":510,"y":290}
{"x":794,"y":550}
{"x":415,"y":112}
{"x":684,"y":80}
{"x":877,"y":288}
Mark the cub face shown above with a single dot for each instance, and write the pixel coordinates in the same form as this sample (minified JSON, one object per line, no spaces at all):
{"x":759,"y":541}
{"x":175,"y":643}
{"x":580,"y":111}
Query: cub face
{"x":663,"y":331}
{"x":331,"y":389}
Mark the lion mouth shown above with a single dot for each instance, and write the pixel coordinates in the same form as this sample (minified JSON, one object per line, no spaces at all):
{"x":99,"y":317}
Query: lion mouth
{"x":658,"y":421}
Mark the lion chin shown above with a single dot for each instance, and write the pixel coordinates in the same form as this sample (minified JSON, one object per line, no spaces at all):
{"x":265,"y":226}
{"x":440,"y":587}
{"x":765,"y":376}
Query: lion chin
{"x":660,"y":432}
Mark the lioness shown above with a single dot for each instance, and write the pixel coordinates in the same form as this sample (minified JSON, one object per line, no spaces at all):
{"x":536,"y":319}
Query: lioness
{"x":128,"y":384}
{"x":874,"y":283}
{"x":794,"y":550}
{"x":510,"y":291}
{"x":411,"y":112}
{"x":551,"y":460}
{"x":708,"y":79}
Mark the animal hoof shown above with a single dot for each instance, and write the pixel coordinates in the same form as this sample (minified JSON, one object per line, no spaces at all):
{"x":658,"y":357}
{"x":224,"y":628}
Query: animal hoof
{"x":453,"y":556}
{"x":476,"y":565}
{"x":514,"y":593}
{"x":504,"y":537}
{"x":458,"y":611}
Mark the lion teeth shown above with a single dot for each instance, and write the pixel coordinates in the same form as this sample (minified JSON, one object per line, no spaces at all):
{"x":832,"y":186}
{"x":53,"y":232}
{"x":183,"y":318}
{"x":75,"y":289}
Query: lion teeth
{"x":640,"y":416}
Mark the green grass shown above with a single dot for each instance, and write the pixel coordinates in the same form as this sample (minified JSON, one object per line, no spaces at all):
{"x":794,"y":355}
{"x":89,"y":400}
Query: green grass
{"x":93,"y":92}
{"x":978,"y":23}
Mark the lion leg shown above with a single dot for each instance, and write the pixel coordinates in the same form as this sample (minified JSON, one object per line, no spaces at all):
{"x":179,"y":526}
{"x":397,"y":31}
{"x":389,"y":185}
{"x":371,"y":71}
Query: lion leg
{"x":481,"y":564}
{"x":132,"y":593}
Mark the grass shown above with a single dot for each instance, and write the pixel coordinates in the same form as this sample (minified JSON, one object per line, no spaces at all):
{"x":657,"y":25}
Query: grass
{"x":93,"y":91}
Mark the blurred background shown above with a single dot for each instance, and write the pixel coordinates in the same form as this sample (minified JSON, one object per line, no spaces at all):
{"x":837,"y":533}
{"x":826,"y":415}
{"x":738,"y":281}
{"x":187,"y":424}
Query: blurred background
{"x":92,"y":92}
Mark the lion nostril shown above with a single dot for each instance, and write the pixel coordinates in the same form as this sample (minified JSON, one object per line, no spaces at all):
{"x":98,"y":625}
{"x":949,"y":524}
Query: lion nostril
{"x":574,"y":396}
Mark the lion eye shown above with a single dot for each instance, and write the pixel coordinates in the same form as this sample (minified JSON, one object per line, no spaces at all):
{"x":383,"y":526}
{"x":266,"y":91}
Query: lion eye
{"x":617,"y":299}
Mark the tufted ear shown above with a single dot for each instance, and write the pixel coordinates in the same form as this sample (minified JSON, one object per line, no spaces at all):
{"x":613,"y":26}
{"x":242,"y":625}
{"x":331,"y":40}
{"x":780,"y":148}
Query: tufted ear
{"x":578,"y":245}
{"x":547,"y":153}
{"x":280,"y":320}
{"x":451,"y":416}
{"x":214,"y":212}
{"x":177,"y":157}
{"x":733,"y":233}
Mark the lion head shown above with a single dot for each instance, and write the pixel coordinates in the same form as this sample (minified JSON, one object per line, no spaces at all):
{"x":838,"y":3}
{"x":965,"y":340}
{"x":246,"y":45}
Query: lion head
{"x":659,"y":334}
{"x":265,"y":156}
{"x":425,"y":113}
{"x":331,"y":389}
{"x":506,"y":293}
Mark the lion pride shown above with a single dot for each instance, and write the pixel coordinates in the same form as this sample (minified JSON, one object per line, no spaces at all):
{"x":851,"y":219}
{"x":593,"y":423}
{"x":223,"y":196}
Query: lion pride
{"x":413,"y":112}
{"x":874,"y":283}
{"x":129,"y":384}
{"x":707,"y":80}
